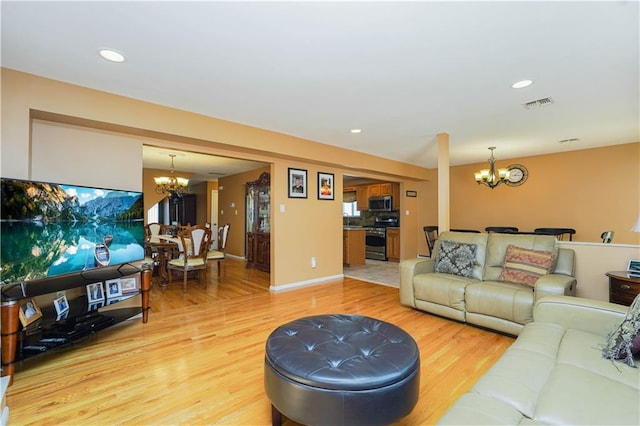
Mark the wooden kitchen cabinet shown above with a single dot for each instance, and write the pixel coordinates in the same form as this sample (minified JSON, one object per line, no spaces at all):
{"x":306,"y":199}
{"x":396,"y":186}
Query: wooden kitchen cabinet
{"x":353,"y":250}
{"x":393,"y":244}
{"x":374,"y":190}
{"x":362,"y":198}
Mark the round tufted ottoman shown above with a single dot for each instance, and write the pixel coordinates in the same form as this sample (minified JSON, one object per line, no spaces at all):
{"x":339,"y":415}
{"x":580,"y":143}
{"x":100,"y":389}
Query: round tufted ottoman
{"x":341,"y":369}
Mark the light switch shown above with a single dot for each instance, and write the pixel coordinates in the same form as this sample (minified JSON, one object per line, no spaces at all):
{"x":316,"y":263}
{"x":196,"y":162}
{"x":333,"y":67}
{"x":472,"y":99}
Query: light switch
{"x":281,"y":208}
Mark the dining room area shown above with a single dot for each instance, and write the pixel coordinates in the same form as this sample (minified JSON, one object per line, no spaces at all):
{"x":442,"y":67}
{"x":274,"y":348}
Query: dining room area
{"x":178,"y":252}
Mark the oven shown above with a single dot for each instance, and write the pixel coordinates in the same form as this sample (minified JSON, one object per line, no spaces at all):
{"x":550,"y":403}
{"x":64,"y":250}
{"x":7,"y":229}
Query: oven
{"x":376,"y":243}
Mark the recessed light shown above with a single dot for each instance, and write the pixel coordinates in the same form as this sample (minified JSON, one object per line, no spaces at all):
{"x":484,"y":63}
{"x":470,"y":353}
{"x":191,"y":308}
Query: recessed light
{"x":112,"y":55}
{"x":522,"y":83}
{"x":355,"y":130}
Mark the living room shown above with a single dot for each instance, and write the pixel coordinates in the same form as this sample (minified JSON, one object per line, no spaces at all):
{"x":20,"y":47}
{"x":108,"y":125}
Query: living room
{"x":594,"y":189}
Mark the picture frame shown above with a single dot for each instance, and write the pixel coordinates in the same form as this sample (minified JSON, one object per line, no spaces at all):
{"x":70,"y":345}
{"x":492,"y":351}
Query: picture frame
{"x":95,"y":292}
{"x":325,"y":186}
{"x":128,"y":285}
{"x":62,"y":306}
{"x":29,"y":312}
{"x":113,"y":288}
{"x":411,"y":193}
{"x":297,"y":183}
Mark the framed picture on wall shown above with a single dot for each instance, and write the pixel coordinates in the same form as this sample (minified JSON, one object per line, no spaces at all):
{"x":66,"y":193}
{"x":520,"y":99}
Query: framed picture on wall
{"x":297,"y":183}
{"x":325,"y":186}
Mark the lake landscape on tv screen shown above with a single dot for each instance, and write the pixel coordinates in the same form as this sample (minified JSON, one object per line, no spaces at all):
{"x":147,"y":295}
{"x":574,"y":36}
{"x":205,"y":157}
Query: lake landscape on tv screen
{"x":50,"y":229}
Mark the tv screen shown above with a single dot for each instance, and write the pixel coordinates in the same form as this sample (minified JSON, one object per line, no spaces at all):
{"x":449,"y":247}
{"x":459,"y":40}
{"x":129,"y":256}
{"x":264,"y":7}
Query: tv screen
{"x":49,"y":229}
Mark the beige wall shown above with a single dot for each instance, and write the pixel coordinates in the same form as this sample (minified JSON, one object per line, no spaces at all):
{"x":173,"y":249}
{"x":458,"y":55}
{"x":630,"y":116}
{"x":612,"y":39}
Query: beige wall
{"x":590,"y":190}
{"x":306,"y":228}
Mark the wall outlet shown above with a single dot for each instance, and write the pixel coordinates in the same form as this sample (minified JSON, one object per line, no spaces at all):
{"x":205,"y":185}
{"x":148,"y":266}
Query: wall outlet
{"x":313,"y":262}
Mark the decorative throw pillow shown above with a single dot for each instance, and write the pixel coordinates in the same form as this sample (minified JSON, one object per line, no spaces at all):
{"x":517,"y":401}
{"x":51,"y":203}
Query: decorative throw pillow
{"x":456,"y":258}
{"x":525,"y":266}
{"x":624,"y":342}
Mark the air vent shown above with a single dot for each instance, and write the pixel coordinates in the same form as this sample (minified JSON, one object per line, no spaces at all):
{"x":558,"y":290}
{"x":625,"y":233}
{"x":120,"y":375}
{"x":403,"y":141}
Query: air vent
{"x":569,"y":140}
{"x":538,"y":103}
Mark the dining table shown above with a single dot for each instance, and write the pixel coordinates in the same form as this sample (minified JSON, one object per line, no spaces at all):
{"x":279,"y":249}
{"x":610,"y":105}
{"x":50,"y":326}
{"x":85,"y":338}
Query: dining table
{"x":166,"y":247}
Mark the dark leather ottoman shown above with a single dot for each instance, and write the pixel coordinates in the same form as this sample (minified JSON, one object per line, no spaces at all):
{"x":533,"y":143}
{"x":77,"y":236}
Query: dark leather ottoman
{"x":341,"y":370}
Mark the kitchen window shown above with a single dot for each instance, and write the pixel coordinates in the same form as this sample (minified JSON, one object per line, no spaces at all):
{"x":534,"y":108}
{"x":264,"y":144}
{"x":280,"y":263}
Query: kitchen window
{"x":350,"y":209}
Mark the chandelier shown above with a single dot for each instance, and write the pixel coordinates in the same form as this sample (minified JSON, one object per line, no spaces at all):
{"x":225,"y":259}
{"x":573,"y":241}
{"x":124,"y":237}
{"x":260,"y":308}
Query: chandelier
{"x":492,"y":177}
{"x":171,"y":184}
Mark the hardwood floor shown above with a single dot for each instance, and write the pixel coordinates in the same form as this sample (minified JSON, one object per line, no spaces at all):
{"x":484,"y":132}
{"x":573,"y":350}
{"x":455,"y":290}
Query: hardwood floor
{"x":199,"y":359}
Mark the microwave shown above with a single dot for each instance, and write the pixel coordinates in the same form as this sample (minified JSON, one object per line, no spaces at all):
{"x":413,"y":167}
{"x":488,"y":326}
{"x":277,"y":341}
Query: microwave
{"x":381,"y":204}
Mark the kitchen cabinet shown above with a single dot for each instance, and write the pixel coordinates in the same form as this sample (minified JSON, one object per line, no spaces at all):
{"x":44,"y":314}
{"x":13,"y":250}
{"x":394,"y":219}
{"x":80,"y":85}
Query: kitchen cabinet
{"x":258,"y":223}
{"x":393,"y":244}
{"x":353,"y":247}
{"x":362,"y":198}
{"x":374,"y":190}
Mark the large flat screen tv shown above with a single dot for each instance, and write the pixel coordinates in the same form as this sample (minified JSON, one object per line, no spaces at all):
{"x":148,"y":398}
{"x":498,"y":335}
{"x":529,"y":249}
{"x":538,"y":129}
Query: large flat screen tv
{"x":50,"y":229}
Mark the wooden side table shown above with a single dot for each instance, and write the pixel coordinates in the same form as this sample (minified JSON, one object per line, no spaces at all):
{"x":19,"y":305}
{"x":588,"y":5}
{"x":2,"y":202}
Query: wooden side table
{"x":622,"y":288}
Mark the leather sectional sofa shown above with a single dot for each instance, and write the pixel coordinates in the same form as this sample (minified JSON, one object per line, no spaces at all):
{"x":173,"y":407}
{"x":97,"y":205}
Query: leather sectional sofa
{"x":480,"y":294}
{"x":555,"y":373}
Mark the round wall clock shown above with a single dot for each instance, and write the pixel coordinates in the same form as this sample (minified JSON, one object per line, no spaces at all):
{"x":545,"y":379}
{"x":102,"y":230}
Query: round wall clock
{"x":517,"y":174}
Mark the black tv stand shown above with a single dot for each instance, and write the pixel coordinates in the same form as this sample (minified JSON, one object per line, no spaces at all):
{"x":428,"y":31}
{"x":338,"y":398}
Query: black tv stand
{"x":20,"y":343}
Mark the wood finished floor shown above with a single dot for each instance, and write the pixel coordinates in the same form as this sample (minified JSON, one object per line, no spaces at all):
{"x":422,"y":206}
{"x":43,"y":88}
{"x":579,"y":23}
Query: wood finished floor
{"x":199,"y":359}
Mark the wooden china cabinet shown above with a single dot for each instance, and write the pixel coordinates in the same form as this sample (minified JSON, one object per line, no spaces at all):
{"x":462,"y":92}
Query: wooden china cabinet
{"x":258,"y":222}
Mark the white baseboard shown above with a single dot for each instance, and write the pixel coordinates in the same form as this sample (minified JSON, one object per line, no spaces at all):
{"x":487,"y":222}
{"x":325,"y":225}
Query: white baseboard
{"x":306,"y":283}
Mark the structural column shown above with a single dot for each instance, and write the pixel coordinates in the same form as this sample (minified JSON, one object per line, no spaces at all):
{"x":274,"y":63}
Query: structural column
{"x":443,"y":182}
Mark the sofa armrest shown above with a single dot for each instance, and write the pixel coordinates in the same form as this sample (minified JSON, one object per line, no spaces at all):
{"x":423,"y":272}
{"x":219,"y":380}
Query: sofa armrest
{"x":593,"y":316}
{"x":409,"y":268}
{"x":555,"y":284}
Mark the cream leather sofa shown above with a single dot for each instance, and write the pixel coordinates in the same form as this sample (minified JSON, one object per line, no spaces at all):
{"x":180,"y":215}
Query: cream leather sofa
{"x":481,"y":299}
{"x":554,"y":373}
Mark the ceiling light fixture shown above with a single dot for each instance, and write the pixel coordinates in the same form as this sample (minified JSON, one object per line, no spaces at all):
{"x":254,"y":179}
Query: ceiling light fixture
{"x":170,"y":184}
{"x":355,"y":131}
{"x":489,"y":176}
{"x":112,"y":55}
{"x":521,"y":84}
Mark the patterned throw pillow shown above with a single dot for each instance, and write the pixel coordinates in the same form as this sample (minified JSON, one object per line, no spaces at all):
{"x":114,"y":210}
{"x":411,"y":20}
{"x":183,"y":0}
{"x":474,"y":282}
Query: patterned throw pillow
{"x":456,"y":258}
{"x":525,"y":266}
{"x":624,"y":342}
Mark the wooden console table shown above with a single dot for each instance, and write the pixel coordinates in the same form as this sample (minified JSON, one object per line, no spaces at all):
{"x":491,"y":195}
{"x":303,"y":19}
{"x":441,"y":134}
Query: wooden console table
{"x":622,"y":288}
{"x":47,"y":334}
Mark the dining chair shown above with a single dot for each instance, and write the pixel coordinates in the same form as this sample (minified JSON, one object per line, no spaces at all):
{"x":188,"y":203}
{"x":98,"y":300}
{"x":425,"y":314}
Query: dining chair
{"x":559,"y":233}
{"x":219,"y":254}
{"x":501,"y":229}
{"x":193,"y":244}
{"x":431,"y":234}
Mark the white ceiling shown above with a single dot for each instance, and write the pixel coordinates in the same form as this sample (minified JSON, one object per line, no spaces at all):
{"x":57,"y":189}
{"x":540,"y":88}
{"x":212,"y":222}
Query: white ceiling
{"x":401,"y":71}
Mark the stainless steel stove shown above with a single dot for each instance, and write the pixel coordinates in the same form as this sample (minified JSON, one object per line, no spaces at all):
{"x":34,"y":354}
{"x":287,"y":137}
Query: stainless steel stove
{"x":376,"y":237}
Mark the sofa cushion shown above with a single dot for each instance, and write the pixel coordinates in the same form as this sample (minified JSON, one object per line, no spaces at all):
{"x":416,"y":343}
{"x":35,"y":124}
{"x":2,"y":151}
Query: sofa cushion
{"x":624,"y":341}
{"x":479,"y":240}
{"x":507,"y":301}
{"x":456,"y":258}
{"x":497,"y":247}
{"x":525,"y":266}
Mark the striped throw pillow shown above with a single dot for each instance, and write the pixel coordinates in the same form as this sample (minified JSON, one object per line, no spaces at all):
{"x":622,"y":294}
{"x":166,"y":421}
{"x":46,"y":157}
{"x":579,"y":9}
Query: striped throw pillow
{"x":525,"y":266}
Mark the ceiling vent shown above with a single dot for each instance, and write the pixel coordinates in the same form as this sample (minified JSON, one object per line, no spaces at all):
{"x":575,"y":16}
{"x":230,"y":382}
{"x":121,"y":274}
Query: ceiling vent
{"x":538,"y":103}
{"x":569,"y":140}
